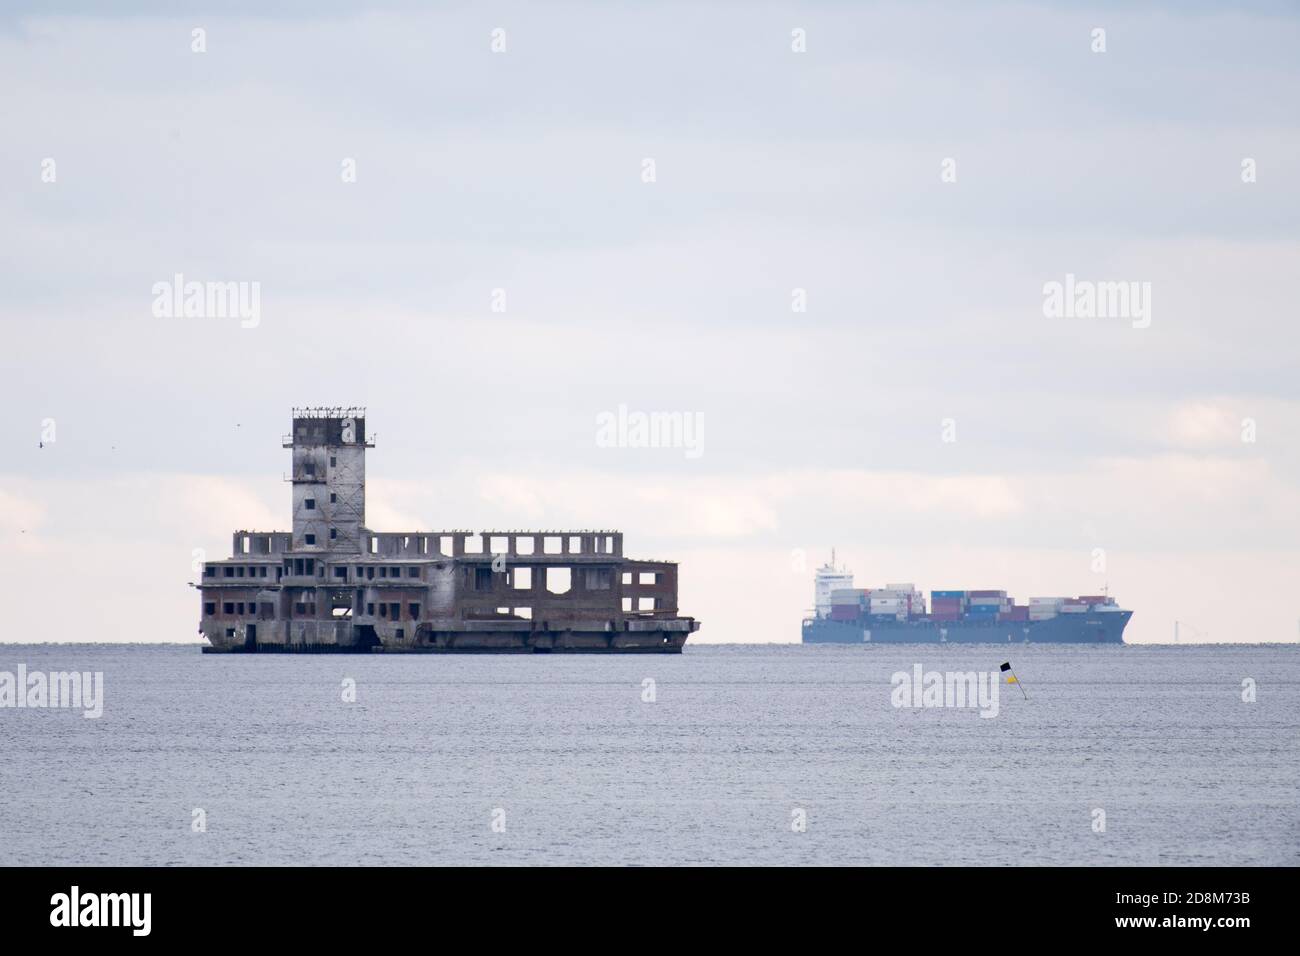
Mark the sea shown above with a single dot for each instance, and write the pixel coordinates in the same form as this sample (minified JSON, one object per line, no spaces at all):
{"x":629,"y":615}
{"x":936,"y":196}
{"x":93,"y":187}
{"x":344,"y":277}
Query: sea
{"x":725,"y":754}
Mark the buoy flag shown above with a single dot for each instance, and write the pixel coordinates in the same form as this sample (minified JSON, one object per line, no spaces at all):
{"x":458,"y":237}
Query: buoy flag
{"x":1011,"y":678}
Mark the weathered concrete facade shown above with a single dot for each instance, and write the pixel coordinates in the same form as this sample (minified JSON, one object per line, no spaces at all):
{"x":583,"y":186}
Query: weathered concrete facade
{"x":332,"y":584}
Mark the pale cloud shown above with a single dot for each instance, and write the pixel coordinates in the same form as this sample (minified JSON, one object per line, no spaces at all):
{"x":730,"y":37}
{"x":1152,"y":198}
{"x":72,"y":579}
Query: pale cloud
{"x":19,"y":513}
{"x":1200,"y":424}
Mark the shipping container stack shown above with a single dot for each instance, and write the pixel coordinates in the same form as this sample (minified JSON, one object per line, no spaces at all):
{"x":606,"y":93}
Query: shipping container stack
{"x":1044,"y":608}
{"x":947,"y":606}
{"x":985,"y":606}
{"x":899,"y":601}
{"x":847,"y":604}
{"x":903,"y":602}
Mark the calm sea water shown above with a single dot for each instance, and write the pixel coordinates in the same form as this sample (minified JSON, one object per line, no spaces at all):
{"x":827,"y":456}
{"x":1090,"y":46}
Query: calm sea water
{"x":581,"y":769}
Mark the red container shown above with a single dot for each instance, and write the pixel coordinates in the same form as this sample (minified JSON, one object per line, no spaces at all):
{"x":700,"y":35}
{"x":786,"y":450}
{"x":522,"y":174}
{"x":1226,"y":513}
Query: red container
{"x":845,"y":612}
{"x":987,"y":593}
{"x":1093,"y":598}
{"x":945,"y":616}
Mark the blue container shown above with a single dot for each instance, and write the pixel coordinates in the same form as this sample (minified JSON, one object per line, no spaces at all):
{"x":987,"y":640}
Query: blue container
{"x":975,"y":609}
{"x":947,"y":594}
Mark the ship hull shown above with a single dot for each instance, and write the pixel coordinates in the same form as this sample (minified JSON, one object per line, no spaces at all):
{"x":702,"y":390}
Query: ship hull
{"x":1090,"y":628}
{"x":664,"y":636}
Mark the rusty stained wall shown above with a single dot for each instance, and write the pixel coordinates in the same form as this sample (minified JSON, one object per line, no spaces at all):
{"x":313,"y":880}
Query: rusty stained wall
{"x":471,"y":587}
{"x":522,"y":587}
{"x":649,"y":582}
{"x":508,"y":580}
{"x":624,"y":592}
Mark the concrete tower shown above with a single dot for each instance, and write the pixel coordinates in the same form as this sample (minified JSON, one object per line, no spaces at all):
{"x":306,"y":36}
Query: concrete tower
{"x":329,"y":478}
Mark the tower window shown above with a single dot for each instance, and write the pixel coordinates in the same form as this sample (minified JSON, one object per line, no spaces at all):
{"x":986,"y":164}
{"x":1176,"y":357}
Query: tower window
{"x":309,"y":538}
{"x":333,"y":497}
{"x":333,"y":461}
{"x":311,"y":504}
{"x":309,"y":468}
{"x":334,"y":533}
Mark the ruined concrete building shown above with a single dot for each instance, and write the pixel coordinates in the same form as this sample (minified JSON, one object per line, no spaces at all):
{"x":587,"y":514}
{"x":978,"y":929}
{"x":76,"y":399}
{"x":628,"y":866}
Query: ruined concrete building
{"x":333,"y":584}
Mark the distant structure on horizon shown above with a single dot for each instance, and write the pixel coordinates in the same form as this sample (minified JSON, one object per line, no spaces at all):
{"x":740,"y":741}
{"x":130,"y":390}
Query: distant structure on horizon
{"x":334,"y":585}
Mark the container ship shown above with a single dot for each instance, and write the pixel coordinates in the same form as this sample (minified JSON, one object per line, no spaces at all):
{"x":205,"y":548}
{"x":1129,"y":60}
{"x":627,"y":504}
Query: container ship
{"x":331,"y":584}
{"x":897,"y":614}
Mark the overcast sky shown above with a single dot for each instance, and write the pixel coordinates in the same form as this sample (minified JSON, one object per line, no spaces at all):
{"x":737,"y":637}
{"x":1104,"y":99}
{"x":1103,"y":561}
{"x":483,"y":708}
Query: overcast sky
{"x":775,"y":170}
